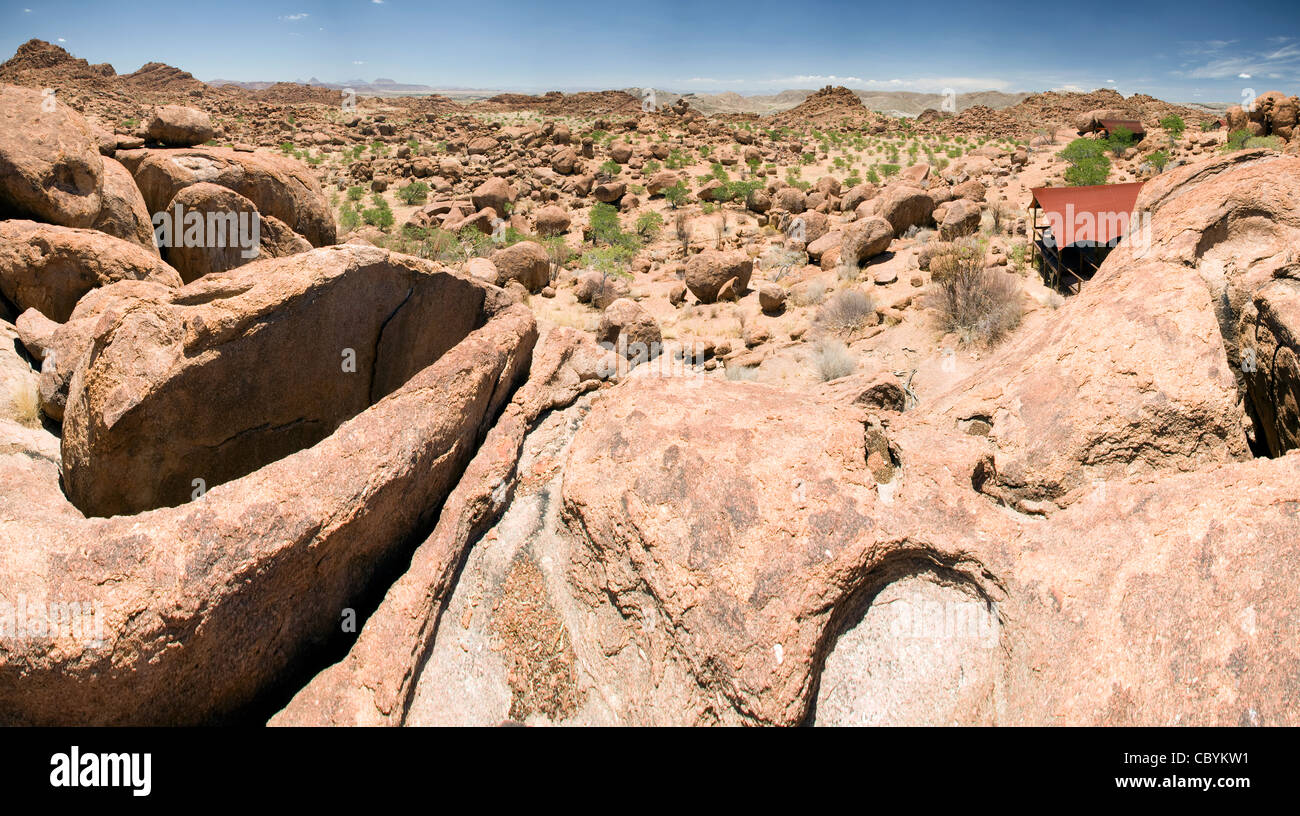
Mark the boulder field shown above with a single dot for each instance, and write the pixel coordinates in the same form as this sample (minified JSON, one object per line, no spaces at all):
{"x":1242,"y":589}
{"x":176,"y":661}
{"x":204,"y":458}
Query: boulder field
{"x":462,"y":475}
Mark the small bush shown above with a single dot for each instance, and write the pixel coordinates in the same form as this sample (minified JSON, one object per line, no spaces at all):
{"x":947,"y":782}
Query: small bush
{"x":847,"y":312}
{"x":833,"y":360}
{"x":1269,"y":142}
{"x":1174,"y":125}
{"x":355,"y":193}
{"x":980,"y":305}
{"x":417,"y":192}
{"x":380,"y":215}
{"x":1236,"y":140}
{"x":349,"y":219}
{"x":1119,"y":140}
{"x":648,"y":225}
{"x":676,"y":195}
{"x":738,"y":373}
{"x":736,"y":190}
{"x":810,"y":294}
{"x":25,"y":403}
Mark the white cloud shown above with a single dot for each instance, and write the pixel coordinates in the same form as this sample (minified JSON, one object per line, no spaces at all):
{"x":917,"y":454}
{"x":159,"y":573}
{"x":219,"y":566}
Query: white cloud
{"x":62,"y":40}
{"x":293,"y":18}
{"x":916,"y":84}
{"x":1281,"y":62}
{"x":358,"y":62}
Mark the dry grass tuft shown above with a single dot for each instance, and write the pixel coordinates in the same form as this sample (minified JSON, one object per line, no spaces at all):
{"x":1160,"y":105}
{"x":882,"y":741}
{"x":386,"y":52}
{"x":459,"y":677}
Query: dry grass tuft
{"x":980,"y":305}
{"x":847,"y":313}
{"x":833,"y":360}
{"x":25,"y":403}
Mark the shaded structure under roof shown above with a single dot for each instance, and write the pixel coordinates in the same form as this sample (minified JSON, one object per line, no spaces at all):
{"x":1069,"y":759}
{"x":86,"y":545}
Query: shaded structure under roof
{"x":1081,"y":226}
{"x":1133,"y":126}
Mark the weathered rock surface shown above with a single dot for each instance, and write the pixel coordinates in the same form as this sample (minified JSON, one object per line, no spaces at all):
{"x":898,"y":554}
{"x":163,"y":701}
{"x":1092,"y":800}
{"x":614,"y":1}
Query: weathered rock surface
{"x":525,"y":262}
{"x":123,"y":214}
{"x":376,"y":683}
{"x":50,"y":167}
{"x":707,"y":272}
{"x":239,"y":371}
{"x":49,"y":268}
{"x":222,"y":596}
{"x":179,"y":126}
{"x":277,"y":185}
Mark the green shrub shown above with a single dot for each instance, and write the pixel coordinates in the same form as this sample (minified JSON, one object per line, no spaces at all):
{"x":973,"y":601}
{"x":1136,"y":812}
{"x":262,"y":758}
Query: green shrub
{"x":676,"y":195}
{"x":1174,"y":125}
{"x":736,"y":190}
{"x":648,"y":225}
{"x":1159,"y":159}
{"x":349,"y":218}
{"x":1119,"y":140}
{"x":417,"y":192}
{"x":1269,"y":142}
{"x":380,"y":215}
{"x":356,"y":192}
{"x":1236,"y":140}
{"x":611,"y":168}
{"x":604,"y":225}
{"x":1088,"y":162}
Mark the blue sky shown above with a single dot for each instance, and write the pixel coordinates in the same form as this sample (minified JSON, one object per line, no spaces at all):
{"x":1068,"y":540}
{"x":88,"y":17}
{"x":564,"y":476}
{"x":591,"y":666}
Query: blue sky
{"x":1185,"y":51}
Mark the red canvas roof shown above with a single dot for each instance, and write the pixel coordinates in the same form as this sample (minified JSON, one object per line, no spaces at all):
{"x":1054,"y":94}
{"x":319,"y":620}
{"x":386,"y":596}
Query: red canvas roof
{"x":1098,"y":213}
{"x":1131,"y":125}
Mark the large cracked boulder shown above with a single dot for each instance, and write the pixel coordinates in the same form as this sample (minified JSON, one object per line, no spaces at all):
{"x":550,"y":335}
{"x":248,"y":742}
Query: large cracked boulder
{"x":1130,"y":378}
{"x":709,"y":271}
{"x":525,"y":262}
{"x":904,"y":207}
{"x":179,"y":126}
{"x":202,"y":609}
{"x":278,"y":186}
{"x":864,"y":240}
{"x":123,"y":214}
{"x":50,"y":166}
{"x":66,"y":345}
{"x":50,"y":268}
{"x":1173,"y":356}
{"x":236,"y":372}
{"x":232,"y":232}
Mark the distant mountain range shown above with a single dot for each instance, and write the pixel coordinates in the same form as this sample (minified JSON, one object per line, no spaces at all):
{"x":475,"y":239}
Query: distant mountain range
{"x":898,"y":103}
{"x":370,"y":87}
